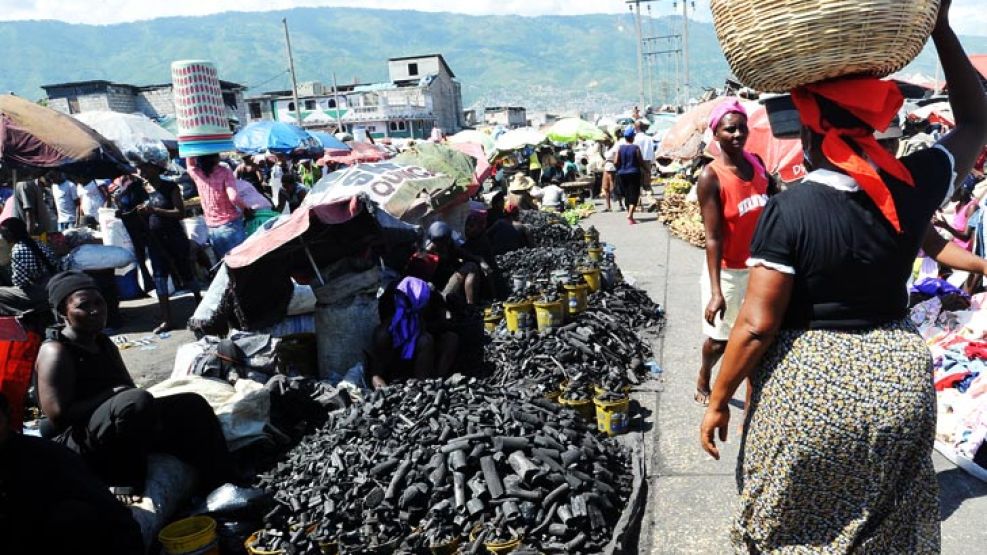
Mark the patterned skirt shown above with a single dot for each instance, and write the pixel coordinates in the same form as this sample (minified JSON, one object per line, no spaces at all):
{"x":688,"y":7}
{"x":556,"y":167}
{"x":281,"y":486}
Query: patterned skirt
{"x":837,"y":456}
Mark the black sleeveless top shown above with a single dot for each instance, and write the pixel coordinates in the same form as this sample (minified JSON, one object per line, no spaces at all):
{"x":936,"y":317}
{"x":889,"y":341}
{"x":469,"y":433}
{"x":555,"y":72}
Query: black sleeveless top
{"x":162,"y":198}
{"x":96,"y":372}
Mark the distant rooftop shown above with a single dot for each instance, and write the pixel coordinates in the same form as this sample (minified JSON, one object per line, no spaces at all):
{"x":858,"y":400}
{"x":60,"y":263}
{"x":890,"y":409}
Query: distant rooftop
{"x":439,"y":56}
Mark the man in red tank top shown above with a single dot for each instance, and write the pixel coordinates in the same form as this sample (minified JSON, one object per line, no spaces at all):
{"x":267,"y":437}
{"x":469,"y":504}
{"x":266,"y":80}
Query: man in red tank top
{"x":732,"y":190}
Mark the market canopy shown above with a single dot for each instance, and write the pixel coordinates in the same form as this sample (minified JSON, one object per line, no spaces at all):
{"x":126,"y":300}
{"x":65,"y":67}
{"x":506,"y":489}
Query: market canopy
{"x":516,"y":139}
{"x":442,"y":159}
{"x":685,"y":140}
{"x":131,"y":133}
{"x":328,"y":141}
{"x":274,"y":136}
{"x":573,"y":130}
{"x":408,"y":193}
{"x":358,"y":153}
{"x":472,"y":136}
{"x":483,"y":167}
{"x":35,"y":138}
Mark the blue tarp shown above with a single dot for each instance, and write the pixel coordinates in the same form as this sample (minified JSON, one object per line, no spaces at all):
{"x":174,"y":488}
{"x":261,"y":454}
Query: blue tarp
{"x":328,"y":141}
{"x":274,"y":136}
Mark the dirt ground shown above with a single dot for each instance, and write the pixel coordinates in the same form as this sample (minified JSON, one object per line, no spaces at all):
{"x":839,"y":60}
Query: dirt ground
{"x":153,"y":362}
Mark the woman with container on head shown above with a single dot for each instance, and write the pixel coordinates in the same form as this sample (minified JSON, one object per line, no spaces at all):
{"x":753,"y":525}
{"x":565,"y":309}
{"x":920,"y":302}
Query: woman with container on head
{"x":836,"y":455}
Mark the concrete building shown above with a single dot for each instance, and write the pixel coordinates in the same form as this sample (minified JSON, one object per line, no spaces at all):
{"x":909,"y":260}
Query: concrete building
{"x":154,"y":101}
{"x":422,"y":93}
{"x":510,"y":117}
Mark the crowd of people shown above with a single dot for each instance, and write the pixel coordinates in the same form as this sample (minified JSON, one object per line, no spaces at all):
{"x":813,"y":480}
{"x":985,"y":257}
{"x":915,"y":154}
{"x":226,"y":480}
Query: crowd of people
{"x":806,"y":300}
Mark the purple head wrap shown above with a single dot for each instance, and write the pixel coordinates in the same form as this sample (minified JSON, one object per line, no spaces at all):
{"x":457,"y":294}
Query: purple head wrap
{"x":410,"y":297}
{"x":733,"y":106}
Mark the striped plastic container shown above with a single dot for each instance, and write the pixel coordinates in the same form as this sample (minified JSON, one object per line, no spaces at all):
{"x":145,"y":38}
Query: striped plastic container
{"x":203,"y":127}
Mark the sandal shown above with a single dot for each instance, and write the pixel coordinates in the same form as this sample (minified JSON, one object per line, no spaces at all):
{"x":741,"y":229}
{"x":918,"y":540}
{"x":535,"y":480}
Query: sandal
{"x":702,"y":397}
{"x":162,"y":328}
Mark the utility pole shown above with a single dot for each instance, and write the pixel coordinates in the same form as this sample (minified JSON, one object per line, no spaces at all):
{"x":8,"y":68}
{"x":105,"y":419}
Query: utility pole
{"x":291,"y":66}
{"x":673,"y":43}
{"x":335,"y":96}
{"x":640,"y":54}
{"x":635,"y":7}
{"x":685,"y":44}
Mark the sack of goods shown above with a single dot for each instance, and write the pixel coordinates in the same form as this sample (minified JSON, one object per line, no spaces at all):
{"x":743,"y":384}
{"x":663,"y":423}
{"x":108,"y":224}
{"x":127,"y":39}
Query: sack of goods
{"x":779,"y":45}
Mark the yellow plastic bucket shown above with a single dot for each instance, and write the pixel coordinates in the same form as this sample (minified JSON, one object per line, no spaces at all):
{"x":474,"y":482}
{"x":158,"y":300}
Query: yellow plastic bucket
{"x":448,"y":548}
{"x":518,"y":316}
{"x":583,"y":407}
{"x":576,"y":298}
{"x":595,"y":254}
{"x":591,"y":236}
{"x":572,"y":202}
{"x":249,"y":546}
{"x":553,"y":396}
{"x":490,"y":322}
{"x":592,"y":277}
{"x":193,"y":535}
{"x":597,"y":390}
{"x":611,"y":416}
{"x":503,"y":547}
{"x":549,"y":315}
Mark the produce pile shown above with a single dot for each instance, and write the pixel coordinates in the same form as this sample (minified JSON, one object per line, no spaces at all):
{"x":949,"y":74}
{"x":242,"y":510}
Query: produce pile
{"x":454,"y":462}
{"x":683,"y":219}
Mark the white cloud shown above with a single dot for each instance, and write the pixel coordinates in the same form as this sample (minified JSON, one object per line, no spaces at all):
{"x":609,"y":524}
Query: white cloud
{"x":969,"y":16}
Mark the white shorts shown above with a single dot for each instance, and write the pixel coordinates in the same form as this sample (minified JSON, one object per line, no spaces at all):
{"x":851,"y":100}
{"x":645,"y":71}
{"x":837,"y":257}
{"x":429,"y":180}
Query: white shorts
{"x":733,"y":284}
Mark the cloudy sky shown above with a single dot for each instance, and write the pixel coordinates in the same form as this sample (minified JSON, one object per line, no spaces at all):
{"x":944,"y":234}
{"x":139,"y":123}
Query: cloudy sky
{"x":969,"y":16}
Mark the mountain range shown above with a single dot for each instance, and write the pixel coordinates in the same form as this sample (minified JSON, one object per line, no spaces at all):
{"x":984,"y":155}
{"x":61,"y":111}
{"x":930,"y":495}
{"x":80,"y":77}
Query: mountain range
{"x":586,"y":62}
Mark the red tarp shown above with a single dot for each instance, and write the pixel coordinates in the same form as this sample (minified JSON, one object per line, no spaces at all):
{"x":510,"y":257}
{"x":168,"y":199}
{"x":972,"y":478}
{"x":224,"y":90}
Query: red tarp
{"x":782,"y":157}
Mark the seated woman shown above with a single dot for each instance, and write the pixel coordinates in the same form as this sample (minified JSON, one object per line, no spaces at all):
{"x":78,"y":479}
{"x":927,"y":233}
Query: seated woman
{"x":96,"y":410}
{"x":413,"y":339}
{"x":458,"y":270}
{"x":31,"y":264}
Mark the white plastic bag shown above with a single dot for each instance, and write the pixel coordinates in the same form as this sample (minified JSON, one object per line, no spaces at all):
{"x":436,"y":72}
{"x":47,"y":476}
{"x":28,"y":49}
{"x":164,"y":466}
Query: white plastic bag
{"x":196,"y":230}
{"x":99,"y":257}
{"x":302,"y":301}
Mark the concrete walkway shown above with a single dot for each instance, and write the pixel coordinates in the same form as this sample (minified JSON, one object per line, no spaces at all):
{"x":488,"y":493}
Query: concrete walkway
{"x":692,"y":497}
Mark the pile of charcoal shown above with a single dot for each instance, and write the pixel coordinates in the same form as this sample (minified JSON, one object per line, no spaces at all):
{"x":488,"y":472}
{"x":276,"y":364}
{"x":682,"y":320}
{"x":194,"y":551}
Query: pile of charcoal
{"x":549,"y":230}
{"x":598,"y":344}
{"x":447,"y":464}
{"x":631,"y":305}
{"x":533,"y":267}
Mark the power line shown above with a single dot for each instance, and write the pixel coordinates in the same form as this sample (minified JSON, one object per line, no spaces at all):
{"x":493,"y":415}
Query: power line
{"x":261,"y":84}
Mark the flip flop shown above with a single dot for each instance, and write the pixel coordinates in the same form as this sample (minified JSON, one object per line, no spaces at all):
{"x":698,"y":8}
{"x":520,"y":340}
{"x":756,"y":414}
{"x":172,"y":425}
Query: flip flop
{"x":702,"y":397}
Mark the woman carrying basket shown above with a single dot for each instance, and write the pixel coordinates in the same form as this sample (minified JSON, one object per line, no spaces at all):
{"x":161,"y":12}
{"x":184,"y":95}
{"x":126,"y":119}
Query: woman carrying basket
{"x":836,"y":456}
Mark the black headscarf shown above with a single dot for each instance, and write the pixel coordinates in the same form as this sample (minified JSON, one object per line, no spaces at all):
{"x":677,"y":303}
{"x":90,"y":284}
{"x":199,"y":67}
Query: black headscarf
{"x":61,"y":285}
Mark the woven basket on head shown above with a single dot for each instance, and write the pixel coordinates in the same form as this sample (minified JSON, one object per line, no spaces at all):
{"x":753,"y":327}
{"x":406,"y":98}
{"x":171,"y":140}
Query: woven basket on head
{"x":777,"y":45}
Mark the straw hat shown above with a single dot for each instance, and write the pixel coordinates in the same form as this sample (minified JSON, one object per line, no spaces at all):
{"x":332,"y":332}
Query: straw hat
{"x":521,"y":183}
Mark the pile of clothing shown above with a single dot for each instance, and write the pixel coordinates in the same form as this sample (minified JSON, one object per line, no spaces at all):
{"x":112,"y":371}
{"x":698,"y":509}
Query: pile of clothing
{"x":955,"y":327}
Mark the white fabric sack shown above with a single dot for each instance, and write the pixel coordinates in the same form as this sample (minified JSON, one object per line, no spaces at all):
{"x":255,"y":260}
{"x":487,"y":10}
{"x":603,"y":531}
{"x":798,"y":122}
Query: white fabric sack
{"x":243,"y":410}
